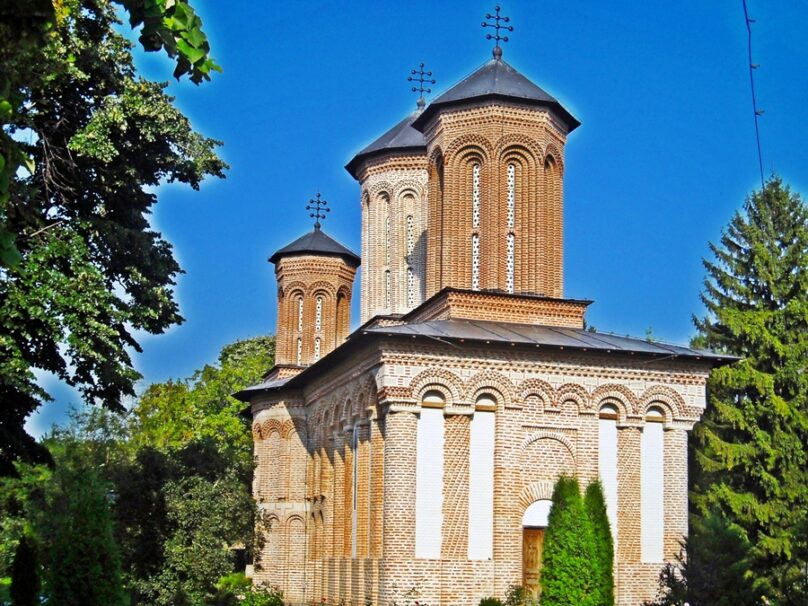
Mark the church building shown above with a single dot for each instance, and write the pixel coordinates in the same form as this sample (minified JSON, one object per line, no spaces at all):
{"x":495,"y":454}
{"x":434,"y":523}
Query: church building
{"x":413,"y":459}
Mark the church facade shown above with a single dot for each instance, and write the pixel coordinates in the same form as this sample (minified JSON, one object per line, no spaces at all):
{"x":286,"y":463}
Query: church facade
{"x":414,"y":459}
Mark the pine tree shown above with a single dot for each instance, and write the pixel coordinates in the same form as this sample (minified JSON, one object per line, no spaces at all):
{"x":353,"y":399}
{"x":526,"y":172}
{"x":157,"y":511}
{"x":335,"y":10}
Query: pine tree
{"x":25,"y":582}
{"x":569,"y":550}
{"x":751,"y":450}
{"x":603,"y":563}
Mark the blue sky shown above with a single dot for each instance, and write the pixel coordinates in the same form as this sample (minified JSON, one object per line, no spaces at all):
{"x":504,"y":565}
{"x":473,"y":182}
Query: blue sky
{"x":665,"y":154}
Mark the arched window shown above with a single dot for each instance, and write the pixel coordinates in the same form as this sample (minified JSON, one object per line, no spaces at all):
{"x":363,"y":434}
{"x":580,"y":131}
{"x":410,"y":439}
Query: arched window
{"x":318,"y":314}
{"x":509,"y":266}
{"x":410,"y":234}
{"x":429,"y":477}
{"x":481,"y":480}
{"x":475,"y":262}
{"x":511,"y":195}
{"x":475,"y":196}
{"x":652,"y":487}
{"x":607,"y":460}
{"x":475,"y":224}
{"x":300,"y":314}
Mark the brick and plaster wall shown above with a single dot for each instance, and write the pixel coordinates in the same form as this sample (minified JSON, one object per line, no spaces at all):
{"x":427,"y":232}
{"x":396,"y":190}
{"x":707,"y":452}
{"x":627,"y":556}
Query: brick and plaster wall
{"x":546,"y":407}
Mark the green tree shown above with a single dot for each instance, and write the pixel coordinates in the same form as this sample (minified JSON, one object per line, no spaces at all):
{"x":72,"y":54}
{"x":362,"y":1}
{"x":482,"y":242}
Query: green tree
{"x":751,"y":449}
{"x":28,"y":26}
{"x":569,"y":550}
{"x":716,"y":570}
{"x":82,"y":566}
{"x":25,"y":583}
{"x":602,"y":569}
{"x":91,"y":270}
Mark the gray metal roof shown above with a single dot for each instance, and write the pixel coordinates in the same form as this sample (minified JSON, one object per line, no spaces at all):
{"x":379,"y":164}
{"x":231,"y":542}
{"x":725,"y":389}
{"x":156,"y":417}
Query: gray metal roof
{"x":549,"y":336}
{"x":316,"y":242}
{"x":496,"y":79}
{"x":399,"y":138}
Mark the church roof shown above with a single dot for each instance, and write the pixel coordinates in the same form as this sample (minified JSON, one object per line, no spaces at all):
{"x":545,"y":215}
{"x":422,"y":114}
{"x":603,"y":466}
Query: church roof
{"x":496,"y":79}
{"x":316,"y":242}
{"x":549,"y":336}
{"x":488,"y":332}
{"x":399,"y":138}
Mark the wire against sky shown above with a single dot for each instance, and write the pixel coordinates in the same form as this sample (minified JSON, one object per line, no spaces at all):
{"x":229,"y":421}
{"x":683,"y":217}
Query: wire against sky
{"x":757,"y":112}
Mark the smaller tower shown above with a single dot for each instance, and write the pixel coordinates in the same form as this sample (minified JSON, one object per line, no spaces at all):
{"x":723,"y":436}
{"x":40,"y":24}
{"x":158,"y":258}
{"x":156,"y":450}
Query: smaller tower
{"x":315,"y":275}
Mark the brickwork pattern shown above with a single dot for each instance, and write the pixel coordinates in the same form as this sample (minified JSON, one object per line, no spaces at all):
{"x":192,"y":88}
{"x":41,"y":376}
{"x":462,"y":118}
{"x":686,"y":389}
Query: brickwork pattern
{"x":546,"y":424}
{"x":494,"y":136}
{"x":309,"y":278}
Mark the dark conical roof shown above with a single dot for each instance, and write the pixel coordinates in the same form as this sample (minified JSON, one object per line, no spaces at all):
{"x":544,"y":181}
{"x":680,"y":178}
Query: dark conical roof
{"x":496,"y":79}
{"x":401,"y":137}
{"x":316,"y":242}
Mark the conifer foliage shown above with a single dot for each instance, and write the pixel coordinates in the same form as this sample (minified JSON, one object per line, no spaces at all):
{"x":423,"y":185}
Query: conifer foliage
{"x":569,"y":550}
{"x":603,"y":562}
{"x":751,"y":450}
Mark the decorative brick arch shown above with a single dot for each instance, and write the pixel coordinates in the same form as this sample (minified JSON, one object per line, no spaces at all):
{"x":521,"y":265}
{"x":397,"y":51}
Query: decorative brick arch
{"x":293,"y":427}
{"x":434,"y":155}
{"x":618,"y":393}
{"x":522,"y":144}
{"x":324,"y":287}
{"x":294,"y":287}
{"x":537,"y":387}
{"x":271,"y":425}
{"x":417,"y":188}
{"x":672,"y":402}
{"x":379,"y":188}
{"x":437,"y":378}
{"x":550,"y":435}
{"x":576,"y":393}
{"x":256,"y":431}
{"x":489,"y":380}
{"x":459,"y":146}
{"x":552,"y":151}
{"x":535,"y":491}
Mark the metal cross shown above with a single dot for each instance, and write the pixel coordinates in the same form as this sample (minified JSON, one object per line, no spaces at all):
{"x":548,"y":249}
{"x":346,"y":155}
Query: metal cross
{"x":497,"y":26}
{"x":418,"y":76}
{"x":320,"y":207}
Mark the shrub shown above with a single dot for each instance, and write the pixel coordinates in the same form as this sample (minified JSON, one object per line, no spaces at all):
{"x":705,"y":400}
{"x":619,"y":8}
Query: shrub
{"x":603,"y":564}
{"x":491,"y":602}
{"x":566,"y":576}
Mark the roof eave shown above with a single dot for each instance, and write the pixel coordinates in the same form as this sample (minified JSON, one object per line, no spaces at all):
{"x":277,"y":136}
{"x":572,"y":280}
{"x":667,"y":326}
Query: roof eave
{"x":356,"y":162}
{"x":421,"y":121}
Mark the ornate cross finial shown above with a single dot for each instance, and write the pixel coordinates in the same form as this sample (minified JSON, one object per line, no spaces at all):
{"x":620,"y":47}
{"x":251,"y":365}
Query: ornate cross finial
{"x":497,"y":26}
{"x":421,"y":77}
{"x":320,"y":207}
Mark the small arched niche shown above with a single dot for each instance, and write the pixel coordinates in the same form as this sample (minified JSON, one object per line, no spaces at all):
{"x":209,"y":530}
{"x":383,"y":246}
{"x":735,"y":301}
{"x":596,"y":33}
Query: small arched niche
{"x":433,"y":398}
{"x":486,"y":401}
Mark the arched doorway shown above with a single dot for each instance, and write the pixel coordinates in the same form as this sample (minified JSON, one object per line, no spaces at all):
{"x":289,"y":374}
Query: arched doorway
{"x":534,"y":522}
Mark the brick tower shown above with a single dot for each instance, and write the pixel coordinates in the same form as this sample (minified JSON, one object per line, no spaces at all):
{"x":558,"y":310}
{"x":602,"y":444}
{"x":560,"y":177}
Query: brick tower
{"x":315,"y":275}
{"x":392,"y":174}
{"x":495,"y":149}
